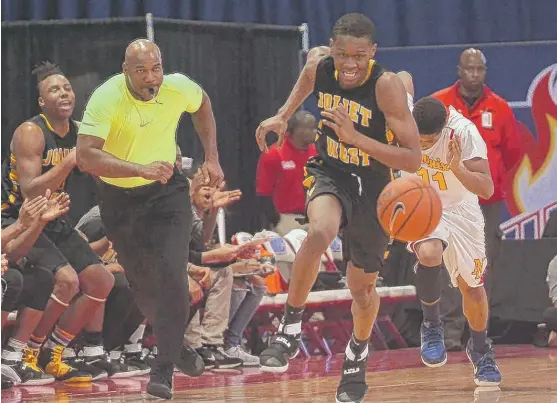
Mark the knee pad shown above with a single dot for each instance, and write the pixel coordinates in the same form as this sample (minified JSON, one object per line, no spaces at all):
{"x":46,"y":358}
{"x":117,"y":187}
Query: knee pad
{"x":37,"y":288}
{"x":12,"y":286}
{"x":428,"y":283}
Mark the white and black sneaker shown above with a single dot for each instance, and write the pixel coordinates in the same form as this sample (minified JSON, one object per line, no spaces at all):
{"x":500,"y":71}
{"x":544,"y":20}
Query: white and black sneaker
{"x":215,"y":357}
{"x":352,"y":387}
{"x":284,"y":345}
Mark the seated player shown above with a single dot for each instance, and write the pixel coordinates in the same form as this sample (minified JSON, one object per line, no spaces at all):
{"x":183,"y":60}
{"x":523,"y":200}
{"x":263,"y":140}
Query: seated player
{"x":28,"y":287}
{"x":42,"y":156}
{"x":454,"y":162}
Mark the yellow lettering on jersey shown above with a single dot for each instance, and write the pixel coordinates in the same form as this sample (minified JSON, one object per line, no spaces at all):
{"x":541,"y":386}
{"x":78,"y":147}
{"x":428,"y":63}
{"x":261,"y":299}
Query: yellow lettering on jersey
{"x":343,"y":154}
{"x":48,"y":159}
{"x":365,"y":158}
{"x":353,"y":111}
{"x":56,"y":156}
{"x":390,"y":136}
{"x":478,"y":268}
{"x":332,"y":148}
{"x":358,"y":113}
{"x":366,"y":116}
{"x":354,"y":157}
{"x":327,"y":101}
{"x":435,"y":163}
{"x":348,"y":155}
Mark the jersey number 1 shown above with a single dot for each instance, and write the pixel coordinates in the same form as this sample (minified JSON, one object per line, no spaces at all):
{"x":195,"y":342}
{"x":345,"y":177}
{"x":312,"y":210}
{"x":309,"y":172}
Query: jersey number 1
{"x":438,"y":177}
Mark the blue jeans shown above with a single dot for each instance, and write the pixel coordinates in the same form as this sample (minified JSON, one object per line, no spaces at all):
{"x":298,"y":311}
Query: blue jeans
{"x":243,"y":305}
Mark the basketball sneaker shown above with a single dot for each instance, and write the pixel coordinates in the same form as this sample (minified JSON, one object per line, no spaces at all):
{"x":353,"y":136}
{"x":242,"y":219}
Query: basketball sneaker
{"x":248,"y":360}
{"x":352,"y":387}
{"x":432,"y":349}
{"x":190,"y":362}
{"x":21,"y":371}
{"x":160,"y":382}
{"x":71,"y":357}
{"x":51,"y":362}
{"x":216,"y":357}
{"x":486,"y":371}
{"x":97,"y":357}
{"x":284,"y":345}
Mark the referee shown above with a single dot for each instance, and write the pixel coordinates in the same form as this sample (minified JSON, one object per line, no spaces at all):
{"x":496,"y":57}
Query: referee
{"x":128,"y":139}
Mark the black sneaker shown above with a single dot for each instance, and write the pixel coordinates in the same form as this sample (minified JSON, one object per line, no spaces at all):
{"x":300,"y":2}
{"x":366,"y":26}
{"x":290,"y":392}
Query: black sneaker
{"x":207,"y":357}
{"x":25,"y":375}
{"x":190,"y":362}
{"x":223,"y":360}
{"x":282,"y":348}
{"x":72,"y":358}
{"x":132,"y":360}
{"x":160,"y":384}
{"x":352,"y":387}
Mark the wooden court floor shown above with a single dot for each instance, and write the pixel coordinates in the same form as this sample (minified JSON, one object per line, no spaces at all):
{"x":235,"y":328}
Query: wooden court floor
{"x":529,"y":375}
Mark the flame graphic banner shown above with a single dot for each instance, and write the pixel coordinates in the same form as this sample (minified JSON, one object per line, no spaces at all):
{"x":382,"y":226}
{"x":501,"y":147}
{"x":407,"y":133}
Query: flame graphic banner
{"x":532,"y":184}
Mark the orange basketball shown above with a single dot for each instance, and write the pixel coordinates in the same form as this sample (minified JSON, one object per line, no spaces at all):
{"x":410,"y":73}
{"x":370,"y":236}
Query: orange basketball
{"x":409,"y":209}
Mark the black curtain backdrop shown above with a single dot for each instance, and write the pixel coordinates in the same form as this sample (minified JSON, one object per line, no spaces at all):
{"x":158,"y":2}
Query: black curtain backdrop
{"x":247,"y":71}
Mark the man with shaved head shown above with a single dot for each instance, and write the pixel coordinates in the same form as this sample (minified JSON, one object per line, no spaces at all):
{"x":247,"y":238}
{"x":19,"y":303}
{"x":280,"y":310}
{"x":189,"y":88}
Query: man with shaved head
{"x":496,"y":123}
{"x":128,"y":140}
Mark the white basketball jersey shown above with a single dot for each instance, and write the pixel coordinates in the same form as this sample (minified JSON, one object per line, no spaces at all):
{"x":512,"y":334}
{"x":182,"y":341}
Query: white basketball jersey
{"x":435,"y":165}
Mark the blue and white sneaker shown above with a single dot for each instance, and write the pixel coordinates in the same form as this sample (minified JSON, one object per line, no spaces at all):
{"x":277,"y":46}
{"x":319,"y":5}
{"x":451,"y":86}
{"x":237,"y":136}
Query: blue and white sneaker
{"x":433,"y":345}
{"x":486,"y":371}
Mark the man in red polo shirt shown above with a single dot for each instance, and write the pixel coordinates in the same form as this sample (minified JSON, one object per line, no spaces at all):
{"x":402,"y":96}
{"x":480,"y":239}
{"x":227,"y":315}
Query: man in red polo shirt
{"x":280,"y":174}
{"x":495,"y":120}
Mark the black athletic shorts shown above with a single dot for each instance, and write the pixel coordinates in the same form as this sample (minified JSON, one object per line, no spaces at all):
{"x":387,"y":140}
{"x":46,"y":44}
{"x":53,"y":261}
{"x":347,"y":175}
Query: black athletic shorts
{"x":59,"y":245}
{"x":363,"y":240}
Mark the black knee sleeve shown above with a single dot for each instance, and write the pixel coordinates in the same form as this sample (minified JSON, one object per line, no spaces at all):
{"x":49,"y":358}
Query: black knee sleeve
{"x":550,"y":318}
{"x":12,"y":286}
{"x":38,"y":284}
{"x":428,"y":283}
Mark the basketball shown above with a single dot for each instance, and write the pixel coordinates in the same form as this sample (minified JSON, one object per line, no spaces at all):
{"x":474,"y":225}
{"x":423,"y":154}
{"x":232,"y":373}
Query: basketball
{"x":409,"y":209}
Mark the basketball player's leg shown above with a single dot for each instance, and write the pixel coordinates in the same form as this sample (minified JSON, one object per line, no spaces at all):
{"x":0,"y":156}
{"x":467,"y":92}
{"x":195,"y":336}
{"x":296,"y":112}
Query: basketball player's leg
{"x":470,"y":258}
{"x":327,"y":202}
{"x":37,"y":287}
{"x":428,"y":287}
{"x":45,"y":254}
{"x":364,"y":245}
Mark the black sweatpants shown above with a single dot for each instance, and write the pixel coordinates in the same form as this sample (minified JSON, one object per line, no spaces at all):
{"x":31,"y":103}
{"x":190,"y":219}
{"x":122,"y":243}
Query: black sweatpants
{"x":150,"y":229}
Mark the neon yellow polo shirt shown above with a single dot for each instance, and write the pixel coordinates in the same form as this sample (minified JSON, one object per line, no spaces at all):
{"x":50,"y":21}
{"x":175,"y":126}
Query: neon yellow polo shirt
{"x":139,"y":131}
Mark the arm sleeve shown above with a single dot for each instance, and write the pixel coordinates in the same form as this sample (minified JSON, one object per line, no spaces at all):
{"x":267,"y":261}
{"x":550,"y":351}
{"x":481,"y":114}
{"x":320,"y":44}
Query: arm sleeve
{"x":101,"y":107}
{"x":196,"y":241}
{"x":195,"y":257}
{"x":267,"y":173}
{"x":192,"y":92}
{"x":472,"y":143}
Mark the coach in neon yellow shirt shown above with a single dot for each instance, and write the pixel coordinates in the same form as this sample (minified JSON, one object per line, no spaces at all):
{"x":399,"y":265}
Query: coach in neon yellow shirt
{"x":127,"y":138}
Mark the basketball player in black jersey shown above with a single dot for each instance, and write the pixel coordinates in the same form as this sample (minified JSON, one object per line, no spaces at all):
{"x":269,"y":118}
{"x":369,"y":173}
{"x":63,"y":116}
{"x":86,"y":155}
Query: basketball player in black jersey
{"x":363,"y":106}
{"x":42,"y":156}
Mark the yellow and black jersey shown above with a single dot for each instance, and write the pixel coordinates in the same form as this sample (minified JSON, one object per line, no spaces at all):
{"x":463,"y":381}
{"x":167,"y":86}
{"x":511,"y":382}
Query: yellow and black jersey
{"x":56,"y":148}
{"x":361,"y":105}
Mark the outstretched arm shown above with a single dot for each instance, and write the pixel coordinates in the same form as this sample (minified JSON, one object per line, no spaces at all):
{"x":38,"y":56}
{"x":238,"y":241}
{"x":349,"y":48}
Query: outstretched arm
{"x":305,"y":83}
